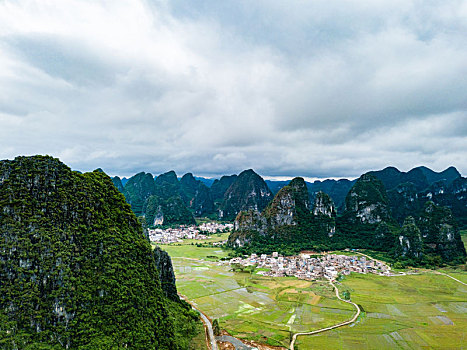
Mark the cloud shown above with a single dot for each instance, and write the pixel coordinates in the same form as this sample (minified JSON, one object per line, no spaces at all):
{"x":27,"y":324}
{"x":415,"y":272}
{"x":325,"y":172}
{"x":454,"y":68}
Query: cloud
{"x":318,"y":89}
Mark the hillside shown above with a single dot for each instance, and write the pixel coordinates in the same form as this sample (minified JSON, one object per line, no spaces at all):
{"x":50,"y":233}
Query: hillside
{"x":247,"y":191}
{"x":289,"y":224}
{"x":76,"y":269}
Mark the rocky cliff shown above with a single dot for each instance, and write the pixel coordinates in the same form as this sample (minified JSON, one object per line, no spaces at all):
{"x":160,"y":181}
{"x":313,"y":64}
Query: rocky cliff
{"x":289,"y":205}
{"x":287,"y":219}
{"x":440,"y":233}
{"x":75,"y":269}
{"x":248,"y":191}
{"x":166,"y":273}
{"x":410,"y":243}
{"x":367,"y":201}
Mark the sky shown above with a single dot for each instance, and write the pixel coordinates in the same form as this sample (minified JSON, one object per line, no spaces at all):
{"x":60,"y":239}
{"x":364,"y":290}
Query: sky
{"x":319,"y":89}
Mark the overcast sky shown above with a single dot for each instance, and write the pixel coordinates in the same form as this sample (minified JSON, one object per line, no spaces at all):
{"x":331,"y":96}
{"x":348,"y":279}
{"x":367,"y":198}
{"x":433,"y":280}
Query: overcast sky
{"x":288,"y":88}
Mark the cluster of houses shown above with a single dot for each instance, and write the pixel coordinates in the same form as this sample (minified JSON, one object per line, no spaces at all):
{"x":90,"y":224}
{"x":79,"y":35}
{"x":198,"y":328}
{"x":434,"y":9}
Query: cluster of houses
{"x":310,"y":268}
{"x":178,"y":234}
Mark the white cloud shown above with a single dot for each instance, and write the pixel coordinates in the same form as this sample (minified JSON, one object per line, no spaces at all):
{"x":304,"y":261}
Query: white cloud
{"x":321,"y":88}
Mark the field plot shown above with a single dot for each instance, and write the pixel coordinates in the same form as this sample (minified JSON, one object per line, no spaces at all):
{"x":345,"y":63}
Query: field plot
{"x":257,"y":307}
{"x":408,"y":312}
{"x":188,"y":248}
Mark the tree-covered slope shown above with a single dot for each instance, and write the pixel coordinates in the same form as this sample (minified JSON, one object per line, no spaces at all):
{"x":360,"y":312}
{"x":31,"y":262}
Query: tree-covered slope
{"x":248,"y":191}
{"x":137,"y":190}
{"x":196,"y":195}
{"x":75,"y":269}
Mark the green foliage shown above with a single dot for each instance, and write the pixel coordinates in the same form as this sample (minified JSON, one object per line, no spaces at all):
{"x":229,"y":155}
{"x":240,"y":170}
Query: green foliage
{"x":196,"y":195}
{"x":215,"y":327}
{"x":239,"y":196}
{"x":137,"y":189}
{"x":75,"y":267}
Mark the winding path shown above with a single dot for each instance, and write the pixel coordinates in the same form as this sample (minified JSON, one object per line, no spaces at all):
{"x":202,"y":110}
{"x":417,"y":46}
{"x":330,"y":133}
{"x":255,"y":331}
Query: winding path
{"x":207,"y":323}
{"x":235,"y":342}
{"x":352,"y":320}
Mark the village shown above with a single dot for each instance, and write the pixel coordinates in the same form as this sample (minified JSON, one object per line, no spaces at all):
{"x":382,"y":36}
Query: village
{"x":304,"y":266}
{"x":178,"y":234}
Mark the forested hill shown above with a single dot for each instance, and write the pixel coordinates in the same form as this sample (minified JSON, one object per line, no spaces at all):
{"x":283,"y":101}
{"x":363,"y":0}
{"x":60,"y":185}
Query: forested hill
{"x":76,"y":271}
{"x":224,"y":198}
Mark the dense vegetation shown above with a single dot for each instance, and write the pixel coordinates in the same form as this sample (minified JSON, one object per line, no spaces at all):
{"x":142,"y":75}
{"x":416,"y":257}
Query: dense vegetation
{"x":287,"y":225}
{"x":76,"y":269}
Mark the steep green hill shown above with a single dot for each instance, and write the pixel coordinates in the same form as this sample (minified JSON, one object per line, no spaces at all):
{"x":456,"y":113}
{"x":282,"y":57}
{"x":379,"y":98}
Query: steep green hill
{"x":248,"y":191}
{"x":196,"y":195}
{"x":75,"y":269}
{"x":137,"y":190}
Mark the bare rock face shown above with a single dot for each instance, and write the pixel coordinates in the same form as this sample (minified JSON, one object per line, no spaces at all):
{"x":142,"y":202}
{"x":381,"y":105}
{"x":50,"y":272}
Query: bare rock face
{"x":410,"y":243}
{"x":324,"y":205}
{"x":289,"y":207}
{"x":289,"y":203}
{"x":367,"y":201}
{"x":250,"y":220}
{"x":440,"y":233}
{"x":166,"y":273}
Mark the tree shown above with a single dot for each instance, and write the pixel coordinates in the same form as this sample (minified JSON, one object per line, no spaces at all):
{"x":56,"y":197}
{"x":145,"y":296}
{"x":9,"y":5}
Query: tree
{"x":346,"y":295}
{"x":215,"y":327}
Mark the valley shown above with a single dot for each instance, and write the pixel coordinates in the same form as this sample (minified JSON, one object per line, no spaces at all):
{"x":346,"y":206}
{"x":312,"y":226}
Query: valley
{"x":402,"y":311}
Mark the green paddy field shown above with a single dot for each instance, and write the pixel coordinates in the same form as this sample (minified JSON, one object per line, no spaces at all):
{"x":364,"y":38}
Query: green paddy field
{"x":425,"y":311}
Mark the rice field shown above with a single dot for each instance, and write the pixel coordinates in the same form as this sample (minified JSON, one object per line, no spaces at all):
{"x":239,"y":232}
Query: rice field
{"x":255,"y":307}
{"x":407,"y":312}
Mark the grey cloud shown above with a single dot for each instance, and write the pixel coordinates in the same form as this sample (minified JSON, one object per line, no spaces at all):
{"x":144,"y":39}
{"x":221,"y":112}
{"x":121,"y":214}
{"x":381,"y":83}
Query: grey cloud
{"x":317,"y":89}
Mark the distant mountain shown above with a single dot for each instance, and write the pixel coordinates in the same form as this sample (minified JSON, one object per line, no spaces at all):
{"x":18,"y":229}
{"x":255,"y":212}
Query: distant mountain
{"x":433,"y":236}
{"x":118,"y":183}
{"x":248,"y":191}
{"x":289,"y":224}
{"x":275,"y":186}
{"x":76,"y":270}
{"x":167,"y":206}
{"x":421,"y":177}
{"x":137,"y":190}
{"x":336,"y":189}
{"x":158,"y":200}
{"x":288,"y":220}
{"x":207,"y":181}
{"x":219,"y":187}
{"x":196,"y":195}
{"x":407,"y":192}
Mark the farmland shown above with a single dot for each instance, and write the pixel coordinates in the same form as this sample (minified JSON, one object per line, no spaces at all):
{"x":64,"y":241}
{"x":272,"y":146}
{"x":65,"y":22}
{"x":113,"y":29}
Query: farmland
{"x":414,"y":311}
{"x":417,"y":311}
